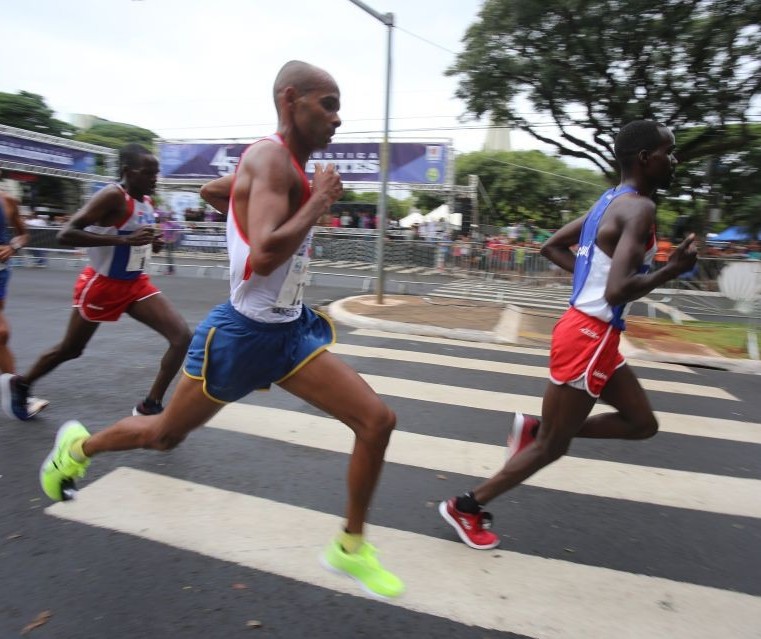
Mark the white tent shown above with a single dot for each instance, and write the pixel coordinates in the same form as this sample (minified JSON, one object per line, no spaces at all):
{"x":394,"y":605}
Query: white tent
{"x":413,"y":218}
{"x":442,"y":213}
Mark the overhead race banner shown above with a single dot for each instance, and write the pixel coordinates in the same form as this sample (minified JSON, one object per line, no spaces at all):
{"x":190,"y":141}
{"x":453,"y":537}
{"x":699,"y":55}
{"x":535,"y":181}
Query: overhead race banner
{"x":409,"y":162}
{"x":42,"y":154}
{"x":198,"y":160}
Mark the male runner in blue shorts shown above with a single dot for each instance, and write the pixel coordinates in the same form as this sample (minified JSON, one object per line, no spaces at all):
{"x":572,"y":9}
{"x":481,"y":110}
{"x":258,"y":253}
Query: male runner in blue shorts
{"x":616,"y":240}
{"x":264,"y":334}
{"x":116,"y":227}
{"x":10,"y":216}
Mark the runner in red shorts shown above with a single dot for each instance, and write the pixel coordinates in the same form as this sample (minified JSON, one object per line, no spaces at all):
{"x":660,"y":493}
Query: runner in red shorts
{"x":616,"y":241}
{"x":116,"y":227}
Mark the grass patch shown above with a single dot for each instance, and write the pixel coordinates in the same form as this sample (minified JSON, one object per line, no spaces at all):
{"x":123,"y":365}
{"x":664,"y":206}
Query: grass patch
{"x":728,"y":339}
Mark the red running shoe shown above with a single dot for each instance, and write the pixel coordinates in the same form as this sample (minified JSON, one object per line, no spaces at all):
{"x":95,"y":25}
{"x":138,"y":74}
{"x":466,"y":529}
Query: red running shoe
{"x":472,"y":529}
{"x":522,"y":433}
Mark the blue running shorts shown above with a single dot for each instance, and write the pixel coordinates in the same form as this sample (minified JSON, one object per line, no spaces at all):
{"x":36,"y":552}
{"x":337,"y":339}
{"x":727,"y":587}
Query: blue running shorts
{"x":5,"y":275}
{"x":235,"y":355}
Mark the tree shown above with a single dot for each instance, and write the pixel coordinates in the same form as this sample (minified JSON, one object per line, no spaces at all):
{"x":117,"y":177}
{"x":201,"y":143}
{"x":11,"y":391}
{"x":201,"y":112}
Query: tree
{"x":727,"y":183}
{"x":396,"y":208}
{"x":597,"y":64}
{"x":530,"y":186}
{"x":428,"y":200}
{"x":29,"y":111}
{"x":115,"y":134}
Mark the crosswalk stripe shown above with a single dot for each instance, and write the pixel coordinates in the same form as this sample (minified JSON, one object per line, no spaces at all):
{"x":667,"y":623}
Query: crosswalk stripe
{"x":518,"y":301}
{"x":513,"y":369}
{"x":539,"y":352}
{"x":695,"y":425}
{"x":661,"y":486}
{"x":499,"y":590}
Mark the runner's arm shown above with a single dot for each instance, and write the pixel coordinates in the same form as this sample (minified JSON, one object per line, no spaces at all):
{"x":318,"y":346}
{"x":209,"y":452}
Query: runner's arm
{"x":105,"y":208}
{"x":557,"y":248}
{"x":625,"y":282}
{"x":272,"y":183}
{"x":20,"y":238}
{"x":217,"y":192}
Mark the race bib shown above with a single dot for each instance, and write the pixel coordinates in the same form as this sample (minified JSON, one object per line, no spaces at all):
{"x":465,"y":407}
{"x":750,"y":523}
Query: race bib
{"x":292,"y":290}
{"x":138,"y":258}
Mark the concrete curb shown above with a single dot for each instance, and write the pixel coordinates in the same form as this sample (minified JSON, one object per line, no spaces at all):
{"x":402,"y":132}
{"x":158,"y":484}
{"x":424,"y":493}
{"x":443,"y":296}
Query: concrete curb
{"x":338,"y":312}
{"x":746,"y":366}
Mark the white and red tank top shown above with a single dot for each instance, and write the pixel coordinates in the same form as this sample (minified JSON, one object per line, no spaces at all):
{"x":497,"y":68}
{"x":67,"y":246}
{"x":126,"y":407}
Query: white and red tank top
{"x":123,"y":262}
{"x":276,"y":297}
{"x":592,"y":268}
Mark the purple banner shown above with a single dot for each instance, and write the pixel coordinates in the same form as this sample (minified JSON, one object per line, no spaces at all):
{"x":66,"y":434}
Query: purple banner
{"x":41,"y":154}
{"x":409,"y":162}
{"x":197,"y":160}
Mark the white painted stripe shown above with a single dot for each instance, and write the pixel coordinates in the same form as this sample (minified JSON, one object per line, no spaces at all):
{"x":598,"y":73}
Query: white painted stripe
{"x":506,"y":368}
{"x":696,"y":425}
{"x":492,"y":298}
{"x":539,"y":352}
{"x":500,"y":590}
{"x":614,"y":480}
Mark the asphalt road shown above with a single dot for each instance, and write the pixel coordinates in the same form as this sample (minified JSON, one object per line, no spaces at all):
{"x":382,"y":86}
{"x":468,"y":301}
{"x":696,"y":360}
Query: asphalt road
{"x":686,"y":519}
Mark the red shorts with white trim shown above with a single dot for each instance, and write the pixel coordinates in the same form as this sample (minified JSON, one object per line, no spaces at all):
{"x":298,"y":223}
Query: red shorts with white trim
{"x":104,"y":299}
{"x":584,"y":352}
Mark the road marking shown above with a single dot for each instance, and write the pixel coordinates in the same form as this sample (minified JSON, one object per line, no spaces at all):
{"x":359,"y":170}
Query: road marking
{"x":664,"y":487}
{"x":695,"y":425}
{"x":539,"y":352}
{"x":506,"y":368}
{"x":500,"y":590}
{"x":524,"y":303}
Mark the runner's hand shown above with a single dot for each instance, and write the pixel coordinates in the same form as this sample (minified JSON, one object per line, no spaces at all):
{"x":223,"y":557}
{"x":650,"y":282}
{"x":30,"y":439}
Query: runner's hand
{"x":158,"y":242}
{"x":685,"y":255}
{"x":327,"y":181}
{"x":140,"y":237}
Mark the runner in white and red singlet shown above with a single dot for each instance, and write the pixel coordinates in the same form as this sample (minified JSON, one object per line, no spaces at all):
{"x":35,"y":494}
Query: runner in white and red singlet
{"x":116,"y":227}
{"x":264,"y":334}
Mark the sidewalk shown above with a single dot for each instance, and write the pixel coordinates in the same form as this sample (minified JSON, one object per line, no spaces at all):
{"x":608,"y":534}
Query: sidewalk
{"x":497,"y":324}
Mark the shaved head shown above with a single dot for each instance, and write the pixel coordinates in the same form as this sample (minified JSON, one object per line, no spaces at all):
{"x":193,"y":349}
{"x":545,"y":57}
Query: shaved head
{"x":302,"y":76}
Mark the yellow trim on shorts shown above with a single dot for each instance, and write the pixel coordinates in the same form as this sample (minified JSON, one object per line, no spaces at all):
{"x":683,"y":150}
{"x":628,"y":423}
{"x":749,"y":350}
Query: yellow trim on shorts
{"x":202,"y":377}
{"x":316,"y":352}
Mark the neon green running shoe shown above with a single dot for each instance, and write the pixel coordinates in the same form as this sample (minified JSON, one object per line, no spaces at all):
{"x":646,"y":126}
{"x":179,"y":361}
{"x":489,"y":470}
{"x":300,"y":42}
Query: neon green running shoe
{"x":364,"y":567}
{"x":59,"y":469}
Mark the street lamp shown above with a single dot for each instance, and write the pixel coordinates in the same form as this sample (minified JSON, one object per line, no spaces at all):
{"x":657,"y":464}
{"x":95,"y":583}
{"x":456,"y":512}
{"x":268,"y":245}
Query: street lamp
{"x":388,"y":20}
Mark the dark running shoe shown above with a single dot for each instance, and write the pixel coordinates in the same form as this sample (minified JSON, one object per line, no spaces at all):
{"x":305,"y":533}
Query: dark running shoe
{"x":148,"y":407}
{"x":522,"y":433}
{"x":15,"y":396}
{"x":472,"y":529}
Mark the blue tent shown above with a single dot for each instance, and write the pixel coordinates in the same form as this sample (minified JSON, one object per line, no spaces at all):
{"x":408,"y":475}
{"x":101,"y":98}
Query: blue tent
{"x":734,"y":234}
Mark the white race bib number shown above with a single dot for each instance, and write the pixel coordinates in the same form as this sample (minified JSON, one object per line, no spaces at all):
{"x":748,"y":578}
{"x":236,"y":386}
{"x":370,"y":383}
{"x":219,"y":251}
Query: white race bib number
{"x":138,"y":258}
{"x":292,"y":290}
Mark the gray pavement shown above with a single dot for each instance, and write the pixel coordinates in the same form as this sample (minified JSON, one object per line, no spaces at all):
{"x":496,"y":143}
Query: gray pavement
{"x":97,"y":580}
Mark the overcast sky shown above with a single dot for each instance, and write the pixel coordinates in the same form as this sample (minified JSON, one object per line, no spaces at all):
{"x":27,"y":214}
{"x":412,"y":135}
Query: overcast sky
{"x":201,"y":69}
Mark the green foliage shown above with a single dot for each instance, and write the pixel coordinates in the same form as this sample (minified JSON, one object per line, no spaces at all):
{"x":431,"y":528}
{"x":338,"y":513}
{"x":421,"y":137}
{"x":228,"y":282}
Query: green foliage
{"x":29,"y":111}
{"x":115,"y":135}
{"x":596,"y":64}
{"x":397,"y":208}
{"x":428,"y":200}
{"x":728,"y":181}
{"x":529,"y":186}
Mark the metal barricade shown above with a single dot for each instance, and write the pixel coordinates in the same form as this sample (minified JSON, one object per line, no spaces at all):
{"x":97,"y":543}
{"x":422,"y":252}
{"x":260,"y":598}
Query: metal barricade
{"x":203,"y":245}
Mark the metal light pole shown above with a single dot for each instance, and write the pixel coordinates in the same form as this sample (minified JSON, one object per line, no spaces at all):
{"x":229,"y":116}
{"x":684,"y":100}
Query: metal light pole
{"x":380,"y":226}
